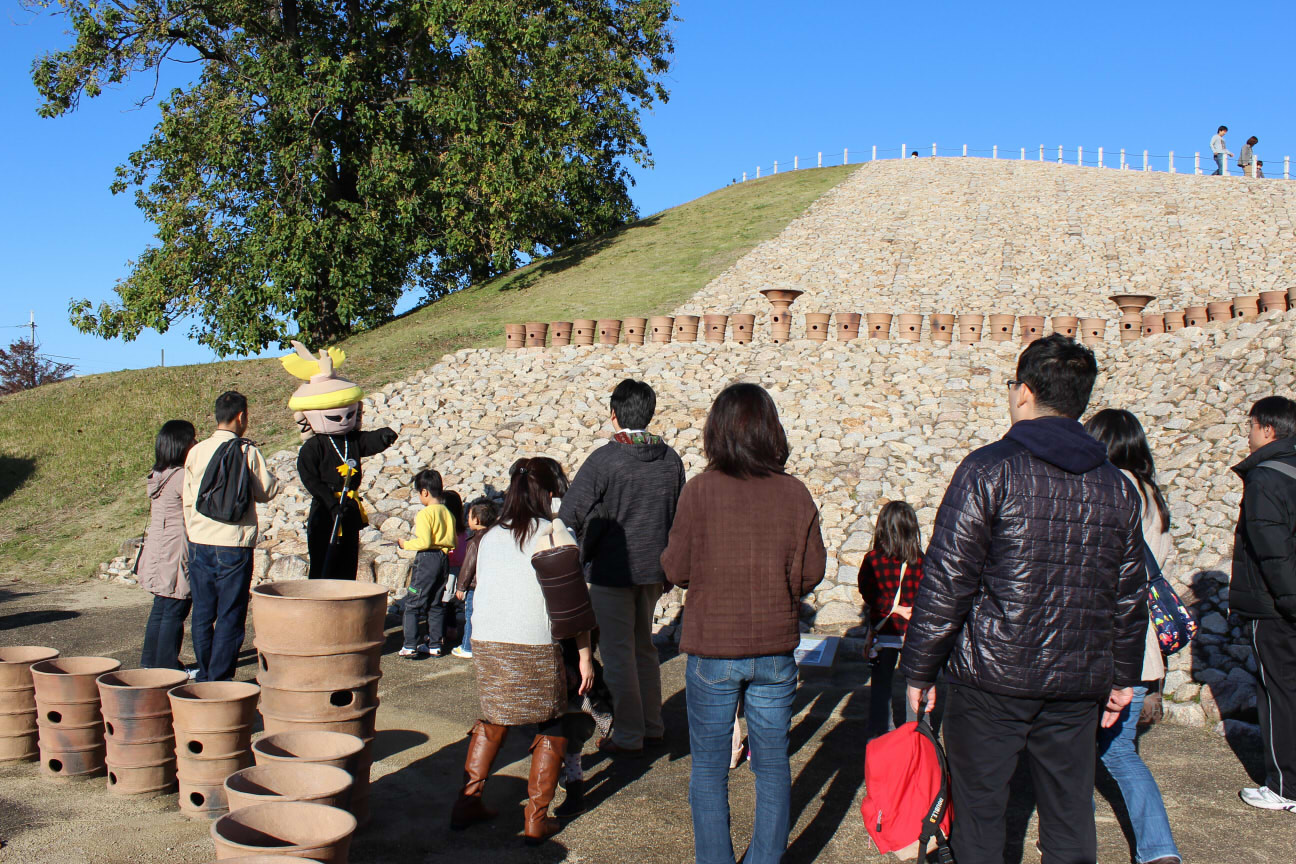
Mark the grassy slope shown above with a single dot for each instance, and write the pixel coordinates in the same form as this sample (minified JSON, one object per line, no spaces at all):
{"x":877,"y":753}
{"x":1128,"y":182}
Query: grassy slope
{"x":72,"y":455}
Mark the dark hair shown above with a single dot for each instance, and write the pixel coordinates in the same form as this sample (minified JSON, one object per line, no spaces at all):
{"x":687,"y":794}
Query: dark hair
{"x":451,"y":501}
{"x":429,"y":480}
{"x":743,"y":436}
{"x":229,"y":405}
{"x":1253,"y":140}
{"x":896,"y":534}
{"x":1222,"y":129}
{"x":1276,"y":412}
{"x":484,"y":511}
{"x":172,"y":444}
{"x":634,"y":403}
{"x":529,"y":497}
{"x":1127,"y":448}
{"x":1060,"y":372}
{"x":561,"y":483}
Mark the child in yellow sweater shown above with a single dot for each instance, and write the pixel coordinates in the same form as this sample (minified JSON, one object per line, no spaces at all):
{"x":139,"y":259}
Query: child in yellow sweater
{"x":434,"y":540}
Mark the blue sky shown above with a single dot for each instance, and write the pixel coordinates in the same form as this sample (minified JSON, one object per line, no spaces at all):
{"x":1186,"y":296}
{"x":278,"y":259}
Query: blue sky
{"x":752,"y":82}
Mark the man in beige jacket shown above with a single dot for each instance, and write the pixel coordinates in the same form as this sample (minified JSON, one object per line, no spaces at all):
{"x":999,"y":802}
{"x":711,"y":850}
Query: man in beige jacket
{"x":220,"y":553}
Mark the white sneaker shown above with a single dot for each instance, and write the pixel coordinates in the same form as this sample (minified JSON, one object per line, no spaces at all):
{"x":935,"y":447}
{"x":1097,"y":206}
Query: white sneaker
{"x":408,"y":652}
{"x":192,"y":672}
{"x":1267,"y":799}
{"x":459,"y":652}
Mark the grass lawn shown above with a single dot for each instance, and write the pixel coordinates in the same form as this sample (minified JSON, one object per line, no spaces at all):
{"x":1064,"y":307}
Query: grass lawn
{"x":73,"y":455}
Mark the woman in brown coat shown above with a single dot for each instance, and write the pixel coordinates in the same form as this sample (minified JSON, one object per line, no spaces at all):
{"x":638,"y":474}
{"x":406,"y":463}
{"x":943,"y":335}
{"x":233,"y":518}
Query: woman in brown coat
{"x":162,"y":564}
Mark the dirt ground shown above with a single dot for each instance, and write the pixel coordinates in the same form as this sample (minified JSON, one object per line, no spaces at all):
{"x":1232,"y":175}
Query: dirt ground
{"x":639,"y":808}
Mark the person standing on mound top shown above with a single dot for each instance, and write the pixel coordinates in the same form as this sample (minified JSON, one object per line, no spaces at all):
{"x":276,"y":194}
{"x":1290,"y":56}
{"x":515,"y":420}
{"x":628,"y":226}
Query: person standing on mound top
{"x":328,"y":410}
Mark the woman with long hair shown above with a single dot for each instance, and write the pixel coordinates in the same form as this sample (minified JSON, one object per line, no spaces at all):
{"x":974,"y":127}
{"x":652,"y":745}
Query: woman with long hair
{"x":1127,"y":448}
{"x":747,"y":546}
{"x":520,"y":676}
{"x":163,"y":561}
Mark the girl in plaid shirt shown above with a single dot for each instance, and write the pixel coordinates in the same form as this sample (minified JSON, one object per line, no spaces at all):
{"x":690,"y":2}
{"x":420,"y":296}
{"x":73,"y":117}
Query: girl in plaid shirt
{"x":888,"y":582}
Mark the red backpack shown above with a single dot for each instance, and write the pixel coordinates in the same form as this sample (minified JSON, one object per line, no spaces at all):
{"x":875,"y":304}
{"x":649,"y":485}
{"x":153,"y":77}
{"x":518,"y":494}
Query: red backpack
{"x":907,"y":800}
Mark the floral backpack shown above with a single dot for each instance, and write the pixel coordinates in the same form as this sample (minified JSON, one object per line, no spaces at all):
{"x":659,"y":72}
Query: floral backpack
{"x":1175,"y":626}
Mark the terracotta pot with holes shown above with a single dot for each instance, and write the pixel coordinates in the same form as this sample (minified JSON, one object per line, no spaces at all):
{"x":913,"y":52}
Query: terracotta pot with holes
{"x":781,"y":316}
{"x":213,"y":730}
{"x":635,"y":330}
{"x":1131,"y":326}
{"x":1032,"y":328}
{"x":686,"y":328}
{"x":360,"y":723}
{"x":660,"y":328}
{"x":69,"y":722}
{"x":288,"y":781}
{"x":298,"y":828}
{"x":1197,"y":316}
{"x":514,"y":336}
{"x":560,"y":334}
{"x":348,"y":752}
{"x":142,"y":780}
{"x":319,"y":671}
{"x":334,"y":703}
{"x":1153,"y":323}
{"x":1134,"y":303}
{"x":609,"y":331}
{"x":817,"y":325}
{"x":879,"y":324}
{"x":1092,"y":330}
{"x":584,"y":331}
{"x":138,"y":693}
{"x":742,"y":325}
{"x":138,"y":739}
{"x":1273,"y":301}
{"x":15,"y":666}
{"x":942,"y":327}
{"x":318,"y":616}
{"x":1174,"y":320}
{"x":1066,"y":325}
{"x":909,"y":326}
{"x":1001,"y":327}
{"x":215,"y":706}
{"x":714,"y":326}
{"x":536,"y":331}
{"x":970,"y":327}
{"x":1247,"y":306}
{"x":201,"y":800}
{"x":848,"y":326}
{"x":1220,"y":310}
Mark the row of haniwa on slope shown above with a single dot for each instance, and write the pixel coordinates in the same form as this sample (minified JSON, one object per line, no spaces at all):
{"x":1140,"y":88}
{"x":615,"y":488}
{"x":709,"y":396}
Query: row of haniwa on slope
{"x":300,"y":790}
{"x":1134,"y":323}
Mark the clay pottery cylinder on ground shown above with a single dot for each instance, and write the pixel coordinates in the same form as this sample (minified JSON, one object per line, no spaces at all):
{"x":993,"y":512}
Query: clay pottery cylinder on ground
{"x":609,"y":330}
{"x":18,"y":701}
{"x":1273,"y":301}
{"x":360,"y":723}
{"x":138,"y":736}
{"x":970,"y":327}
{"x":514,"y":336}
{"x":879,"y":324}
{"x":319,"y":671}
{"x":1247,"y":306}
{"x":1092,"y":330}
{"x":328,"y":703}
{"x":848,"y":326}
{"x":686,"y":328}
{"x":201,"y":800}
{"x":1131,"y":326}
{"x":1128,"y":303}
{"x":349,"y":752}
{"x":660,"y":328}
{"x":288,"y":781}
{"x":909,"y":327}
{"x":584,"y":331}
{"x":635,"y":330}
{"x":318,"y":616}
{"x":817,"y":326}
{"x":942,"y":327}
{"x":1067,"y":325}
{"x":136,"y":694}
{"x":222,"y":707}
{"x":1220,"y":310}
{"x":714,"y":327}
{"x":69,"y":722}
{"x":1153,"y":323}
{"x":1001,"y":327}
{"x":1032,"y":328}
{"x":781,"y":299}
{"x":560,"y":334}
{"x":1196,"y":316}
{"x":742,"y":325}
{"x":536,"y":331}
{"x":298,"y":828}
{"x":1174,"y":320}
{"x":142,"y":780}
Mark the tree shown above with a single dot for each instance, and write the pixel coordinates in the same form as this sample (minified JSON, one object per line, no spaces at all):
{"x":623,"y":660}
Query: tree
{"x":330,"y":156}
{"x":22,"y":368}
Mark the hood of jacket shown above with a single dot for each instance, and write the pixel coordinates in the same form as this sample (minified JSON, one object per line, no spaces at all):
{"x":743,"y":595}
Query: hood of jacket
{"x":1282,"y":450}
{"x":1060,"y":441}
{"x":157,"y":480}
{"x":644,"y":446}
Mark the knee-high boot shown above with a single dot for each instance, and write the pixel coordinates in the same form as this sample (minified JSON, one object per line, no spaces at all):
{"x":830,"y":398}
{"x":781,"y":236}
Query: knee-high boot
{"x":483,"y":744}
{"x":546,"y":762}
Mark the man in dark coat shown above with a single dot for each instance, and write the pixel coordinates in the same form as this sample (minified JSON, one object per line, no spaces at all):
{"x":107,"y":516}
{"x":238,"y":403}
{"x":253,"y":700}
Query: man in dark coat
{"x":1262,"y":591}
{"x":1034,"y":602}
{"x":621,"y":505}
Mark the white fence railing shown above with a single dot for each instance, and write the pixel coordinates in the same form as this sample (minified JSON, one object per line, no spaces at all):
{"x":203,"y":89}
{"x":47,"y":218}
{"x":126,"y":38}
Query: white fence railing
{"x":1094,"y":157}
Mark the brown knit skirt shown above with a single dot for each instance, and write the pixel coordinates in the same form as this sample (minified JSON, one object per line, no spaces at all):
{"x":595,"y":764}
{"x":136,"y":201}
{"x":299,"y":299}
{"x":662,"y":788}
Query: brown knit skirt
{"x":519,"y":684}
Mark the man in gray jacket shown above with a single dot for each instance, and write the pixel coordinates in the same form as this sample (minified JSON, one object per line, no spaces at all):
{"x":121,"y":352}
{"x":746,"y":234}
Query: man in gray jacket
{"x":621,"y":505}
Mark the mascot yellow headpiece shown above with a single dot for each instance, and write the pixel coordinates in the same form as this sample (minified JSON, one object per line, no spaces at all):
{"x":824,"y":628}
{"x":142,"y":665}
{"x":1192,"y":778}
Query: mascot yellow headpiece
{"x":325,"y":404}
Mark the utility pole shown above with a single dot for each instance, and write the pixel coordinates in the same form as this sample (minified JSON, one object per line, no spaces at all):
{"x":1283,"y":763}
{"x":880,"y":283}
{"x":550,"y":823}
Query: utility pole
{"x":32,"y":325}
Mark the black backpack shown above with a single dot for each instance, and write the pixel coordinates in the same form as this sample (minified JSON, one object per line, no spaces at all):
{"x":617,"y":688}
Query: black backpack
{"x":225,"y":492}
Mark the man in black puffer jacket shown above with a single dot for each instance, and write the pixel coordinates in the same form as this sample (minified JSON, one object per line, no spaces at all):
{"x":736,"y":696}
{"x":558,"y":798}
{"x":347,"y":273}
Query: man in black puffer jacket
{"x":1033,"y":600}
{"x":1262,"y":591}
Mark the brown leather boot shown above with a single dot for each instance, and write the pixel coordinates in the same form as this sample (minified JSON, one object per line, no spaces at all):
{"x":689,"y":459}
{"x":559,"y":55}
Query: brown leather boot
{"x":546,"y":763}
{"x":484,"y":742}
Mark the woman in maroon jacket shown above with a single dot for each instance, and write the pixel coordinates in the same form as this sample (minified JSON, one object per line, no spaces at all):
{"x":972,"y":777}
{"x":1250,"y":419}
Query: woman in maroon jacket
{"x":746,"y":545}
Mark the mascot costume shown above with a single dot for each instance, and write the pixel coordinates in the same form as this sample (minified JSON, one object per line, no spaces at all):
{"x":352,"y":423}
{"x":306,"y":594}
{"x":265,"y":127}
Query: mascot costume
{"x":327,"y":408}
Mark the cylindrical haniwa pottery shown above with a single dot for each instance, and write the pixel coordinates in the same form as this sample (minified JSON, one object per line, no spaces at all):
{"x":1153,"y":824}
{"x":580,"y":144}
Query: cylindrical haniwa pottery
{"x":213,"y":731}
{"x":660,"y":328}
{"x":848,"y":325}
{"x":686,"y":328}
{"x":297,"y":828}
{"x":1247,"y":306}
{"x":1219,"y":310}
{"x":1032,"y":327}
{"x":879,"y":324}
{"x":18,"y":701}
{"x":1153,"y":323}
{"x":584,"y":331}
{"x":1131,"y":326}
{"x":942,"y":327}
{"x":970,"y":326}
{"x":536,"y":331}
{"x":1198,"y":316}
{"x":1001,"y":327}
{"x":1066,"y":325}
{"x":138,"y":733}
{"x":68,"y":718}
{"x":742,"y":324}
{"x":817,"y":325}
{"x":1273,"y":301}
{"x":635,"y":330}
{"x":1092,"y":330}
{"x":609,"y":331}
{"x":514,"y":336}
{"x":715,"y":326}
{"x":288,"y":781}
{"x":781,"y":299}
{"x":560,"y":333}
{"x":909,"y":326}
{"x":1174,"y":320}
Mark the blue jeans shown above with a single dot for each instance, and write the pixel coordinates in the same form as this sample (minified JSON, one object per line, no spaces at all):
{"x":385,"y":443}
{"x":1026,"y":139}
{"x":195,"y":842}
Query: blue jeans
{"x":1147,"y":813}
{"x":467,"y":639}
{"x":713,"y":688}
{"x":219,"y":580}
{"x":1219,"y":164}
{"x":164,"y":633}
